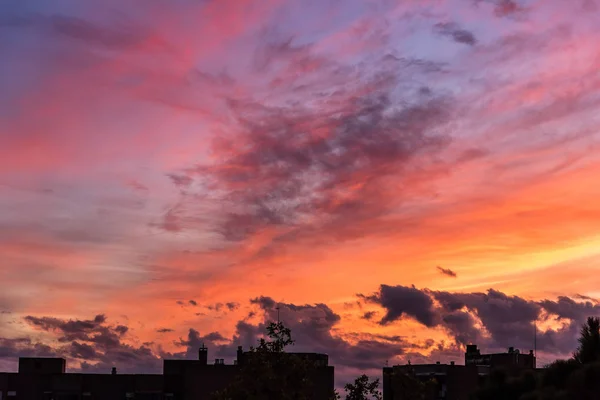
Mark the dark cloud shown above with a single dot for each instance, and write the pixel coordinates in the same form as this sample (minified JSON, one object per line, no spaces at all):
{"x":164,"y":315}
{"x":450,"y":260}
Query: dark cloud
{"x":121,"y":329}
{"x":567,"y":308}
{"x":193,"y":302}
{"x":584,"y":297}
{"x":231,"y":306}
{"x":93,"y":331}
{"x":313,"y":328}
{"x":82,"y":351}
{"x":446,"y":271}
{"x":462,"y":326}
{"x":329,"y":161}
{"x":504,"y":8}
{"x":402,"y":300}
{"x":180,"y":180}
{"x":282,"y":176}
{"x":215,"y":307}
{"x":218,"y":345}
{"x":455,"y":32}
{"x":508,"y":319}
{"x":494,"y":320}
{"x":66,"y":326}
{"x":266,"y":303}
{"x":97,"y":343}
{"x":25,"y":347}
{"x":368,"y":315}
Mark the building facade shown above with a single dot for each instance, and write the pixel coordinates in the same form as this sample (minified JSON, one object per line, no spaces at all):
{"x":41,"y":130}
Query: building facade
{"x":47,"y":379}
{"x":457,"y":382}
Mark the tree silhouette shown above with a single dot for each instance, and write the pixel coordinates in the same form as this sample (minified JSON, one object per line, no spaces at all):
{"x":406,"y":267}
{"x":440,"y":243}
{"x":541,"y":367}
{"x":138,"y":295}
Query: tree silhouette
{"x":363,"y":389}
{"x":268,"y":372}
{"x":589,"y":342}
{"x":406,"y":386}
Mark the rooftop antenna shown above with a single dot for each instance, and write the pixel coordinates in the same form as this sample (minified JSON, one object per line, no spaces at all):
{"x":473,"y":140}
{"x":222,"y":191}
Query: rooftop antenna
{"x":535,"y":338}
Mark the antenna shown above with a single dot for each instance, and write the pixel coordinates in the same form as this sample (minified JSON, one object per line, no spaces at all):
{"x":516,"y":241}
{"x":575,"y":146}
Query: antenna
{"x":535,"y":338}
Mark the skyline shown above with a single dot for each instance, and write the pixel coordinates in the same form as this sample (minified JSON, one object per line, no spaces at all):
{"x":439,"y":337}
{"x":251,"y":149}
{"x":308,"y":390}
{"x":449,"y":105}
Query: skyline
{"x":401,"y":177}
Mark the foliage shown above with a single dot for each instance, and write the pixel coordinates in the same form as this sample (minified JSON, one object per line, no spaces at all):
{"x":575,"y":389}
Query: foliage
{"x":584,"y":384}
{"x":501,"y":386}
{"x":363,"y":389}
{"x":576,"y":378}
{"x":589,"y":342}
{"x":557,"y":373}
{"x":406,"y":386}
{"x":268,"y":372}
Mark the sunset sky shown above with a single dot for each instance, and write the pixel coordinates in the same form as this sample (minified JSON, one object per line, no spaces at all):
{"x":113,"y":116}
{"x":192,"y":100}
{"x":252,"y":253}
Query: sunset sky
{"x":403,"y":177}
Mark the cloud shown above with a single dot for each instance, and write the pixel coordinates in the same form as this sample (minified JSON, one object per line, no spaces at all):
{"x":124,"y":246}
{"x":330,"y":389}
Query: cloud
{"x":25,"y":347}
{"x":446,"y":271}
{"x":342,"y":154}
{"x":313,"y":328}
{"x":231,"y":306}
{"x":193,"y":302}
{"x":504,"y":8}
{"x":493,"y":319}
{"x":453,"y":31}
{"x":401,"y":300}
{"x":96,"y":344}
{"x":368,"y":315}
{"x":180,"y":180}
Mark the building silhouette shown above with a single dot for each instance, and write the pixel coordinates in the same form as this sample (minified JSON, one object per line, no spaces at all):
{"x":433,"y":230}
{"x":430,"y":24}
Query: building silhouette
{"x":458,"y":382}
{"x":47,"y":379}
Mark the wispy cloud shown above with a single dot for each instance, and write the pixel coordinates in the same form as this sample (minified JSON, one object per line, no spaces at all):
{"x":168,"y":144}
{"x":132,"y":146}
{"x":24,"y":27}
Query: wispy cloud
{"x":455,"y":32}
{"x":446,"y":271}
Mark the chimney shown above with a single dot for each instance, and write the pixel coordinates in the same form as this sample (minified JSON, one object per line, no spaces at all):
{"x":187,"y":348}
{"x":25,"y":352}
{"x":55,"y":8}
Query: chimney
{"x":203,"y":354}
{"x":437,"y":363}
{"x":511,"y":349}
{"x":451,"y":362}
{"x":114,"y":371}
